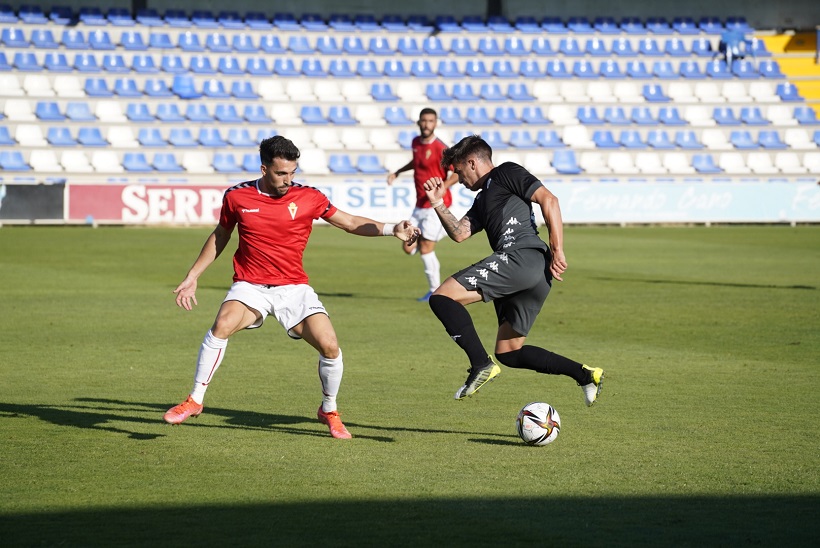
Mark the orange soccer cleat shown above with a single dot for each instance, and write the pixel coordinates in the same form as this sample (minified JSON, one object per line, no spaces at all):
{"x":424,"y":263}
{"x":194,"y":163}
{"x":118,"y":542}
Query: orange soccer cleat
{"x":188,"y":408}
{"x":334,"y":422}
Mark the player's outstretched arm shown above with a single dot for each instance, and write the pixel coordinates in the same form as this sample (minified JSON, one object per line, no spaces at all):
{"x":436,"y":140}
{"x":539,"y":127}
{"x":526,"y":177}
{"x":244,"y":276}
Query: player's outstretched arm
{"x":362,"y":226}
{"x":186,"y":290}
{"x":555,"y":225}
{"x":457,"y":229}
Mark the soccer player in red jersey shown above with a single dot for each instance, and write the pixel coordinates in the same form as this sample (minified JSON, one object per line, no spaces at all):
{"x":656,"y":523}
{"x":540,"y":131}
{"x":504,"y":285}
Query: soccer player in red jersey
{"x":274,"y":216}
{"x":426,"y":164}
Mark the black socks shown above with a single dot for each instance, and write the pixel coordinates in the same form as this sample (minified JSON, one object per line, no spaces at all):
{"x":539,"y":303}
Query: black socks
{"x":459,"y":325}
{"x":543,"y":361}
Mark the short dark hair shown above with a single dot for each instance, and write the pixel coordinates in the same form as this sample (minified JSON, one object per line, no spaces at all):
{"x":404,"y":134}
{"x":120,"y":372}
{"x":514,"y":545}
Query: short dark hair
{"x":472,"y":145}
{"x":428,"y":110}
{"x":277,"y":147}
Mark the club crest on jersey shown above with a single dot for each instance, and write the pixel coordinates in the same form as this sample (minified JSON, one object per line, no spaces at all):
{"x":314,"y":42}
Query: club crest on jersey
{"x":427,"y":154}
{"x":292,"y":208}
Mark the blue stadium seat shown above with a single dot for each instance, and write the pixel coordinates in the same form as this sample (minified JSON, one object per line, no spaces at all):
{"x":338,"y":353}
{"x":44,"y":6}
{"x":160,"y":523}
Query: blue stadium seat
{"x":201,"y":64}
{"x":527,"y":24}
{"x":596,"y":47}
{"x":421,"y":68}
{"x":120,"y":17}
{"x":177,"y":18}
{"x":340,"y":68}
{"x":225,"y":162}
{"x":553,"y":25}
{"x":447,"y":23}
{"x":217,"y":42}
{"x":675,"y":47}
{"x":394,"y":68}
{"x":515,"y":46}
{"x":685,"y":25}
{"x":664,"y":70}
{"x":313,"y":22}
{"x":742,"y":140}
{"x":753,"y":116}
{"x":725,"y":116}
{"x":603,"y":138}
{"x":114,"y":63}
{"x":341,"y":22}
{"x":312,"y":68}
{"x":670,"y":116}
{"x":452,"y":116}
{"x":151,"y":137}
{"x":79,"y":112}
{"x":770,"y":139}
{"x":183,"y":86}
{"x":541,"y":46}
{"x":42,"y":39}
{"x":521,"y":138}
{"x":4,"y":63}
{"x":366,"y":68}
{"x":12,"y":160}
{"x":86,"y":62}
{"x":637,"y":70}
{"x":370,"y":164}
{"x":690,"y":69}
{"x":189,"y":41}
{"x":649,"y":47}
{"x":138,"y":112}
{"x":26,"y":62}
{"x":769,"y":68}
{"x":588,"y":115}
{"x":169,"y":113}
{"x":488,"y":45}
{"x":6,"y":138}
{"x":126,"y":87}
{"x":738,"y":23}
{"x":261,"y":135}
{"x":396,"y":116}
{"x":788,"y":92}
{"x":366,"y":22}
{"x":149,"y":17}
{"x":407,"y":45}
{"x":379,"y":45}
{"x":710,"y":24}
{"x":204,"y":19}
{"x":60,"y":136}
{"x":230,"y":19}
{"x":198,"y":112}
{"x":13,"y":37}
{"x":7,"y":14}
{"x":100,"y":40}
{"x":611,"y":69}
{"x":227,"y":114}
{"x":97,"y":87}
{"x":606,"y":25}
{"x":503,"y":69}
{"x":353,"y":45}
{"x":341,"y":115}
{"x":579,"y":25}
{"x":257,"y":66}
{"x":285,"y":67}
{"x":519,"y":92}
{"x":688,"y":140}
{"x":805,"y":115}
{"x":341,"y":164}
{"x":461,"y":46}
{"x":742,"y":68}
{"x":658,"y":25}
{"x":494,"y":139}
{"x":529,"y":68}
{"x":56,"y":62}
{"x":622,"y":47}
{"x":616,"y":116}
{"x":549,"y":138}
{"x":271,"y":44}
{"x":327,"y":45}
{"x":32,"y":15}
{"x":73,"y":39}
{"x":172,"y":64}
{"x":757,"y":48}
{"x":243,"y":89}
{"x":463,"y":91}
{"x":229,"y":64}
{"x":285,"y":21}
{"x":557,"y":69}
{"x":475,"y":68}
{"x":257,"y":20}
{"x":569,"y":46}
{"x":312,"y":115}
{"x":211,"y":137}
{"x":565,"y":163}
{"x":506,"y":116}
{"x":534,"y":115}
{"x":437,"y":93}
{"x":383,"y":92}
{"x":448,"y":68}
{"x":182,"y":137}
{"x":659,"y":140}
{"x":702,"y":47}
{"x":705,"y":163}
{"x":473,"y":23}
{"x":718,"y":69}
{"x":91,"y":137}
{"x":654,"y":93}
{"x":393,"y":23}
{"x":243,"y":43}
{"x":300,"y":45}
{"x":631,"y":139}
{"x":499,"y":24}
{"x":478,"y":116}
{"x":405,"y":138}
{"x":432,"y":45}
{"x":166,"y":162}
{"x":642,"y":116}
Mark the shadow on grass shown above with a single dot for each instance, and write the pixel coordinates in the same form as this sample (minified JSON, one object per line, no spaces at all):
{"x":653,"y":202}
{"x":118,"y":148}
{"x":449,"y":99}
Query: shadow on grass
{"x":712,"y":284}
{"x":99,"y":414}
{"x":542,"y":521}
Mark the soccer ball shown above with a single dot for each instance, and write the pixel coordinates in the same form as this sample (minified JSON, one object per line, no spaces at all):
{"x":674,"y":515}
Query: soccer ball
{"x":538,"y":423}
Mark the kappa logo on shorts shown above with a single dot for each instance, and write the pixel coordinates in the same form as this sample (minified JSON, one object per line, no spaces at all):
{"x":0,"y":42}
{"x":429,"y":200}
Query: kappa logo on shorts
{"x":504,"y":258}
{"x":513,"y":221}
{"x":472,"y":280}
{"x":493,"y":266}
{"x":509,"y":231}
{"x":508,"y":244}
{"x":484,"y":273}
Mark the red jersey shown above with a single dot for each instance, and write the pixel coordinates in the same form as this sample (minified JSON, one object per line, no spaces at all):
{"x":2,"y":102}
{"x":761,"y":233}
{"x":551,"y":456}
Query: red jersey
{"x":273,"y":232}
{"x":427,"y":164}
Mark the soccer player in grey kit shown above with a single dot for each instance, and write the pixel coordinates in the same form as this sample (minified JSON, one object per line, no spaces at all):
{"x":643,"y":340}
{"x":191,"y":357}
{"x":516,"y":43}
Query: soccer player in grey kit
{"x":517,"y":276}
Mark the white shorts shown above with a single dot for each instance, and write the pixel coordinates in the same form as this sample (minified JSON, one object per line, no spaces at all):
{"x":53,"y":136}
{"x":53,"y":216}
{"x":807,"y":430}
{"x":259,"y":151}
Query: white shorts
{"x":289,"y":304}
{"x":427,"y":220}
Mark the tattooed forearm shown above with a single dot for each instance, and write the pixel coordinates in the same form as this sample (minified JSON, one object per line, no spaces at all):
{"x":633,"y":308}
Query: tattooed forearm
{"x":457,"y":230}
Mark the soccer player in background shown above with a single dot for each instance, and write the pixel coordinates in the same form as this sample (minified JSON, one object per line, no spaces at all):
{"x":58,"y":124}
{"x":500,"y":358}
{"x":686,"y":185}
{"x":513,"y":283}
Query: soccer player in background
{"x":517,"y":276}
{"x":274,"y":217}
{"x":426,"y":163}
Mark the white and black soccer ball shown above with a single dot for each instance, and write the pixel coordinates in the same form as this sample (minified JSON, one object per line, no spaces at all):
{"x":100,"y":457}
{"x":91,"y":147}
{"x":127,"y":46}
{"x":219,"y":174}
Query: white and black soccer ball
{"x":538,"y":423}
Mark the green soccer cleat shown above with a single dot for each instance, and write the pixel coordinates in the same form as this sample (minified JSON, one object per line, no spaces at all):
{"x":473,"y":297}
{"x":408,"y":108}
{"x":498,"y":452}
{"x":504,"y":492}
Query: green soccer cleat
{"x":478,"y":377}
{"x":593,"y":389}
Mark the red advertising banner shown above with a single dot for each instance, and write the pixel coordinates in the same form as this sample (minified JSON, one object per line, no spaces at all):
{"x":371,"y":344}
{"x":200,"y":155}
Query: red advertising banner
{"x":145,"y":204}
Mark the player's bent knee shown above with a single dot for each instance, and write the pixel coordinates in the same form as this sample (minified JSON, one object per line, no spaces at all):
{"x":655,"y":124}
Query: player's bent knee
{"x":510,"y":359}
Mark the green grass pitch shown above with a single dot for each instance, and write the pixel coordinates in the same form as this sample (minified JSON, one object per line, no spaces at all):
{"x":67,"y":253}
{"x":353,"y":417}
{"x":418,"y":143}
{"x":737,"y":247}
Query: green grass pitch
{"x":706,"y":432}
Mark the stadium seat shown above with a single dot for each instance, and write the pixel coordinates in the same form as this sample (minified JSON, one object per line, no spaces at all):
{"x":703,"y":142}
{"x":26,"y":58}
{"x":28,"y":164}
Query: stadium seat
{"x":596,"y":47}
{"x":370,"y":164}
{"x":407,"y":45}
{"x":182,"y":137}
{"x":166,"y":162}
{"x":452,"y":116}
{"x":340,"y":115}
{"x":664,"y":70}
{"x":556,"y":68}
{"x":805,"y":115}
{"x":255,"y":114}
{"x":214,"y":88}
{"x":201,"y":64}
{"x":742,"y":68}
{"x":243,"y":89}
{"x":725,"y":116}
{"x":659,"y":140}
{"x":217,"y":42}
{"x":182,"y":86}
{"x":789,"y":163}
{"x":226,"y":163}
{"x":615,"y":116}
{"x":312,"y":115}
{"x":494,"y":139}
{"x":519,"y":92}
{"x":433,"y":46}
{"x":622,"y":47}
{"x":649,"y":163}
{"x":798,"y":139}
{"x":534,"y":115}
{"x":735,"y":92}
{"x":86,"y":62}
{"x":753,"y":116}
{"x":366,"y":68}
{"x":151,"y":137}
{"x":677,"y":163}
{"x":26,"y":62}
{"x":59,"y":136}
{"x":565,"y":162}
{"x":654,"y":93}
{"x":341,"y":164}
{"x":769,"y":68}
{"x":48,"y":111}
{"x":437,"y":93}
{"x":379,"y":46}
{"x":583,"y":69}
{"x":285,"y":67}
{"x":707,"y":92}
{"x":251,"y":162}
{"x":642,"y":116}
{"x":115,"y":63}
{"x":742,"y":139}
{"x":687,"y":140}
{"x":622,"y":163}
{"x":475,"y":68}
{"x":690,"y":70}
{"x":395,"y":115}
{"x":603,"y":138}
{"x":503,"y":69}
{"x":121,"y":137}
{"x":733,"y":163}
{"x":100,"y":40}
{"x":522,"y":139}
{"x":611,"y":69}
{"x":670,"y":116}
{"x":198,"y":112}
{"x":770,"y":139}
{"x":702,"y":47}
{"x":811,"y":160}
{"x":37,"y":85}
{"x":569,"y":47}
{"x":312,"y":68}
{"x":109,"y":111}
{"x":30,"y":135}
{"x":573,"y":90}
{"x":478,"y":116}
{"x":32,"y":15}
{"x":718,"y":69}
{"x":649,"y":47}
{"x":40,"y":39}
{"x":788,"y":92}
{"x":463,"y":91}
{"x":631,"y":139}
{"x":12,"y":160}
{"x":91,"y":137}
{"x":589,"y":115}
{"x":715,"y":139}
{"x":44,"y":161}
{"x":126,"y":87}
{"x":577,"y":136}
{"x":211,"y":137}
{"x":781,"y":115}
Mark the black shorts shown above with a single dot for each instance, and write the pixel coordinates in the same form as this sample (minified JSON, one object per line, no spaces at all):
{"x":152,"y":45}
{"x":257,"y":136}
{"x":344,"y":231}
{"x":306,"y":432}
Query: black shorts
{"x":517,"y":282}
